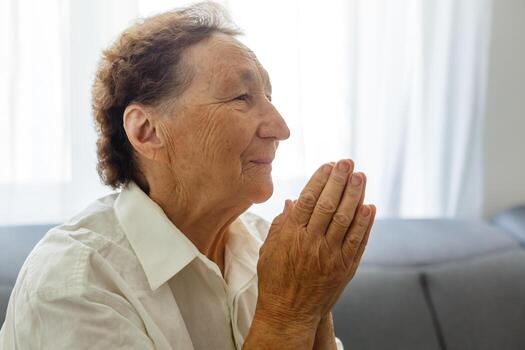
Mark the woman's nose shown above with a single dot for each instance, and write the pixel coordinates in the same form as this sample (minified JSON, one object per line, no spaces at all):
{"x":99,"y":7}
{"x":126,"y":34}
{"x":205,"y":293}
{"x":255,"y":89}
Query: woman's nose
{"x":273,"y":124}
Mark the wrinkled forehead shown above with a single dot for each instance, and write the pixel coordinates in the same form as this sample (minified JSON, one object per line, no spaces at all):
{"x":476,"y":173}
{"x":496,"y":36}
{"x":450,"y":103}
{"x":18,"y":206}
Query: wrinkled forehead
{"x":222,"y":62}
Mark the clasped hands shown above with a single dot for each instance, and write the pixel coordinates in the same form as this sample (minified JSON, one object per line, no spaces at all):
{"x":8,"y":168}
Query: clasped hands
{"x":313,"y":249}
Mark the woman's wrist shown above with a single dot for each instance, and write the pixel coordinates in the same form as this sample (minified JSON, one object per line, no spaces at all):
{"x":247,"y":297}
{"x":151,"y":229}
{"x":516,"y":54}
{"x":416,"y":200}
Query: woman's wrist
{"x":325,"y":335}
{"x":275,"y":310}
{"x":277,"y":329}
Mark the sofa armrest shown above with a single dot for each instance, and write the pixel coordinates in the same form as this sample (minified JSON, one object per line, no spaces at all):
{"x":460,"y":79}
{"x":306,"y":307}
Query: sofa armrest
{"x":512,"y":221}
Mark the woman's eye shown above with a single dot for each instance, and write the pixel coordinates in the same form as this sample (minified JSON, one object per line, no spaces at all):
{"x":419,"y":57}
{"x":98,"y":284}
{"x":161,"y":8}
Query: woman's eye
{"x":243,"y":97}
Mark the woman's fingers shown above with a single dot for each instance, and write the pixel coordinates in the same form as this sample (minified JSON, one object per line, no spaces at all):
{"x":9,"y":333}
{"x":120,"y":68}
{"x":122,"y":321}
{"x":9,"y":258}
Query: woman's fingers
{"x":303,"y":208}
{"x":306,"y":274}
{"x":330,"y":197}
{"x":362,"y":246}
{"x":345,"y":213}
{"x":359,"y":228}
{"x":363,"y":191}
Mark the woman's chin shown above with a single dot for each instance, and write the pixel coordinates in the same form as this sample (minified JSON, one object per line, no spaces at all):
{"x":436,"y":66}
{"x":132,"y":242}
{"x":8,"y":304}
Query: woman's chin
{"x":261,"y":191}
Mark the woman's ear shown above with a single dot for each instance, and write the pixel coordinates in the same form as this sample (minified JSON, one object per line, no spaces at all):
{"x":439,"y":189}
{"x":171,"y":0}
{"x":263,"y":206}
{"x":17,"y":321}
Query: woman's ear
{"x":142,"y":133}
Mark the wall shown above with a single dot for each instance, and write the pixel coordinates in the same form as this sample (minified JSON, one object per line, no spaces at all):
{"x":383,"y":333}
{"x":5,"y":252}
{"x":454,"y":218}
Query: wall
{"x":505,"y":109}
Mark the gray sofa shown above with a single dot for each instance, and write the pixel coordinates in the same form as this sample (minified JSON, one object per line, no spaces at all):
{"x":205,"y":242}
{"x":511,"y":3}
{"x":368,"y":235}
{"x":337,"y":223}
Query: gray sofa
{"x":422,"y":284}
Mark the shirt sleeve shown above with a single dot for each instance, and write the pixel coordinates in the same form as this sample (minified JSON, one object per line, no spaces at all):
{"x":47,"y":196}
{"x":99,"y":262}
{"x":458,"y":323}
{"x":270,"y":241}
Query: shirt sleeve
{"x":339,"y":344}
{"x":75,"y":320}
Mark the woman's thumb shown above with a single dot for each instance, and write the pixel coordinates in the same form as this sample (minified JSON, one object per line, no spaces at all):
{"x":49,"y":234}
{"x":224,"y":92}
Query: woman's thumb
{"x":279,"y":220}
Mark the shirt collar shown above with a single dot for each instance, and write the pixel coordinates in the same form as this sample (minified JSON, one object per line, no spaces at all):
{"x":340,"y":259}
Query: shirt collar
{"x":242,"y":252}
{"x":163,"y":250}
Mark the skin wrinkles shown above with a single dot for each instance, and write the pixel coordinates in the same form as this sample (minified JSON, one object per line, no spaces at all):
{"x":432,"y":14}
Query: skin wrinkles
{"x":202,"y":174}
{"x":231,"y":78}
{"x":212,"y":147}
{"x":225,"y":82}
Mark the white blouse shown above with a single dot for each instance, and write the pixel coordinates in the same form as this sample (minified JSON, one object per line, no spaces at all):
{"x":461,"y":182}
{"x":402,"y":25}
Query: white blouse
{"x":120,"y":275}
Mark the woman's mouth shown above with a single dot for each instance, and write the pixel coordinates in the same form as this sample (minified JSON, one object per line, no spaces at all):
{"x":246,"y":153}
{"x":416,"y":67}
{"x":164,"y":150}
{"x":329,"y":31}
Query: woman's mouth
{"x":262,"y":161}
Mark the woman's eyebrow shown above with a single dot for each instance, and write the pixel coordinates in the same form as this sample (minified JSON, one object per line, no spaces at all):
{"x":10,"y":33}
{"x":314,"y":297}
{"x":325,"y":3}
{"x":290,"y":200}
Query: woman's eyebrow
{"x":247,"y":76}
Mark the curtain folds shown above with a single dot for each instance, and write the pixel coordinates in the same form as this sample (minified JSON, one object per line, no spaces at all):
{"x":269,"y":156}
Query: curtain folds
{"x":399,"y":87}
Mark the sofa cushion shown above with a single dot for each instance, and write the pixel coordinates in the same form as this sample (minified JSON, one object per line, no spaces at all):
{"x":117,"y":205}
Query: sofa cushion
{"x":417,"y":242}
{"x":480,"y":303}
{"x":513,"y":222}
{"x":384,"y":309}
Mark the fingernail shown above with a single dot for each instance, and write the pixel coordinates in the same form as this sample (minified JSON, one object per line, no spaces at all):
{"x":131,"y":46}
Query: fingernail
{"x":327,"y":169}
{"x":355,"y":180}
{"x":365,"y":210}
{"x":343,"y":165}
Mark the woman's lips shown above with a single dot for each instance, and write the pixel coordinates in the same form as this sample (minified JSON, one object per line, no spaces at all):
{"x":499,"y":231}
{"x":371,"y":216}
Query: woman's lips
{"x":262,"y":161}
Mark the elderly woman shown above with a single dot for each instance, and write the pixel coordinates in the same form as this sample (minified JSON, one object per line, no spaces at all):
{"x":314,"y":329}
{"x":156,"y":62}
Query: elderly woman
{"x":188,"y":131}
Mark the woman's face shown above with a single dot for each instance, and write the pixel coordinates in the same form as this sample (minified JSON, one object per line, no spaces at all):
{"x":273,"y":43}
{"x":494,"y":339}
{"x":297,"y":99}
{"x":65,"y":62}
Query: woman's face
{"x":224,"y":131}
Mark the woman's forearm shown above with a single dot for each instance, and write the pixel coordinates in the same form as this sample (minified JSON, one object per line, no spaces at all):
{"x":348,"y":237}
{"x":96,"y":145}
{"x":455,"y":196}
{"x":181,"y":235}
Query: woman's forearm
{"x":325,"y":336}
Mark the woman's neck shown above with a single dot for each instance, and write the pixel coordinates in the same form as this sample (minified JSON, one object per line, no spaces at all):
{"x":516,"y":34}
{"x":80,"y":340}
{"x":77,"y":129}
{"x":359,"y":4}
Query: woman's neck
{"x":204,"y":221}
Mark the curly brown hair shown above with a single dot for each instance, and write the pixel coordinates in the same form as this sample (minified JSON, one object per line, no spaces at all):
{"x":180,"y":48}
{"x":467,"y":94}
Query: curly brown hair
{"x":144,"y":66}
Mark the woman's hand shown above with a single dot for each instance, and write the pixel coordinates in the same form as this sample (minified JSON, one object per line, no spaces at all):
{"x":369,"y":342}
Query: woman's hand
{"x":313,"y":249}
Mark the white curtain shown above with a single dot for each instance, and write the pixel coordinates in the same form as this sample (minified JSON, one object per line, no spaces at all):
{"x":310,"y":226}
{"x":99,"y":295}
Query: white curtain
{"x":396,"y":86}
